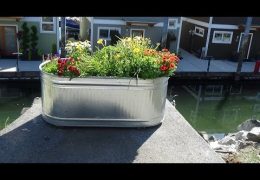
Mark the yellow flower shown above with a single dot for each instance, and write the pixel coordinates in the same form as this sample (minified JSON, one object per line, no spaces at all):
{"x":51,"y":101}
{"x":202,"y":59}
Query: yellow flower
{"x":136,"y":50}
{"x":100,"y":41}
{"x":117,"y":56}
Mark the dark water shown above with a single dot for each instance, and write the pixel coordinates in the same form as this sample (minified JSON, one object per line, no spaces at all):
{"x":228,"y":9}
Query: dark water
{"x":216,"y":108}
{"x":14,"y":96}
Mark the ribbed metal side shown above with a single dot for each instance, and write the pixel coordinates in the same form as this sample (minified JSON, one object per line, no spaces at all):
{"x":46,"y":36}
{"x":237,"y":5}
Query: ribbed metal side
{"x":103,"y":101}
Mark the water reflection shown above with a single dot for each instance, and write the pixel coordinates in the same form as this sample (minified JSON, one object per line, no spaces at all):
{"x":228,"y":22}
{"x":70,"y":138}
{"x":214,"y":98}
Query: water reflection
{"x":14,"y":96}
{"x":216,"y":108}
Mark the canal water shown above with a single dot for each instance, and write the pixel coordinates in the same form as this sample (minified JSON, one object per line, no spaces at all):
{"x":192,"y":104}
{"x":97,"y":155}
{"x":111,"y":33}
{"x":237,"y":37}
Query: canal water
{"x":216,"y":108}
{"x":14,"y":96}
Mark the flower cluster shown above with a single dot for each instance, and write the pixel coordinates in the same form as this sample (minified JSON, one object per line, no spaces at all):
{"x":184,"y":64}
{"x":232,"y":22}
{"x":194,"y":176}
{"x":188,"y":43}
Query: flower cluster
{"x":67,"y":65}
{"x":169,"y":61}
{"x":130,"y":57}
{"x":77,"y":49}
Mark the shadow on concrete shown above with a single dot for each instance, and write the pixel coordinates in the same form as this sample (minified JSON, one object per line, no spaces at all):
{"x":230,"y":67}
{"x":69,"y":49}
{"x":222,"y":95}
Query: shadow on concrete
{"x":37,"y":141}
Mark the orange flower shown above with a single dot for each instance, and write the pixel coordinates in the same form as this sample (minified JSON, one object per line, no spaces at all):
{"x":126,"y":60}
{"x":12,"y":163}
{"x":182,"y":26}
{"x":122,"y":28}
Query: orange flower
{"x":172,"y":59}
{"x":172,"y":65}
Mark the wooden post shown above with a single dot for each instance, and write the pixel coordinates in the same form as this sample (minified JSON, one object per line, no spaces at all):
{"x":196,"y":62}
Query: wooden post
{"x":165,"y":31}
{"x":63,"y":36}
{"x":242,"y":49}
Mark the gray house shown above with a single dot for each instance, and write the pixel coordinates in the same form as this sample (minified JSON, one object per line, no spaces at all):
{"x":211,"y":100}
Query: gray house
{"x":47,"y":32}
{"x":219,"y":37}
{"x":150,"y":27}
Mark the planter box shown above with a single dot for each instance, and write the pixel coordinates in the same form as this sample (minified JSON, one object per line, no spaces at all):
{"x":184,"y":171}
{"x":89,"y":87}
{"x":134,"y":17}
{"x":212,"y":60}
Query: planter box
{"x":103,"y":101}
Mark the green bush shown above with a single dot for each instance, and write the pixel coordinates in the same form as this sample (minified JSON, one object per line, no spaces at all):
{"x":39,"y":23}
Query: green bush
{"x":130,"y":57}
{"x":54,"y":48}
{"x":25,"y":40}
{"x":34,"y":43}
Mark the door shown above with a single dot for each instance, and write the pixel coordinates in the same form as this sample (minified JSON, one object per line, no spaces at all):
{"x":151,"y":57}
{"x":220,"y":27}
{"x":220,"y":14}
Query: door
{"x":8,"y":41}
{"x":248,"y":45}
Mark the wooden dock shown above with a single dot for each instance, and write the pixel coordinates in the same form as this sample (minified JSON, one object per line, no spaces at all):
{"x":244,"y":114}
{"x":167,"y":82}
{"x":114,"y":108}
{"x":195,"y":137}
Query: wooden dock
{"x":230,"y":76}
{"x":24,"y":75}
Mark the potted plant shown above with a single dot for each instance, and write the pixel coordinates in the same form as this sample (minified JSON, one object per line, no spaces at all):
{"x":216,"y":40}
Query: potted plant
{"x":124,"y":85}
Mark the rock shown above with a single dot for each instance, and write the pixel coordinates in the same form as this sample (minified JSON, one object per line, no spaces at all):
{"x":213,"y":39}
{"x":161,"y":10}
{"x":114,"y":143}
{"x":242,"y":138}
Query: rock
{"x":227,"y":141}
{"x":243,"y":144}
{"x":24,"y":109}
{"x":254,"y":134}
{"x":249,"y":124}
{"x":212,"y":138}
{"x":222,"y":148}
{"x":257,"y":146}
{"x":241,"y":135}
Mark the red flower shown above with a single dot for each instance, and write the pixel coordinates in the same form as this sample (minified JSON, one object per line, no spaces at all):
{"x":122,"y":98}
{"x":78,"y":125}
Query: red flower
{"x":164,"y":58}
{"x":163,"y":68}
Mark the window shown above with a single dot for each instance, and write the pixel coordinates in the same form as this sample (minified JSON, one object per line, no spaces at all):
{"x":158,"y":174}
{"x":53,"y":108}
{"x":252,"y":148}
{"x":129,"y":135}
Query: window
{"x":223,"y":37}
{"x":137,"y":32}
{"x":47,"y":25}
{"x":104,"y":32}
{"x":199,"y":31}
{"x":172,"y":23}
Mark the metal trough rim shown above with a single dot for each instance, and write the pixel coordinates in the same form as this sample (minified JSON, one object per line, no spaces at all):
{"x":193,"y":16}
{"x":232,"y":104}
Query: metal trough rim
{"x":114,"y":80}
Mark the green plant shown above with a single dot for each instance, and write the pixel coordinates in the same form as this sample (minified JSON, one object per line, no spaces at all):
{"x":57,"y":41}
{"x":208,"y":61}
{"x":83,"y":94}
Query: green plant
{"x":130,"y":57}
{"x":54,"y":48}
{"x":25,"y":38}
{"x":34,"y":38}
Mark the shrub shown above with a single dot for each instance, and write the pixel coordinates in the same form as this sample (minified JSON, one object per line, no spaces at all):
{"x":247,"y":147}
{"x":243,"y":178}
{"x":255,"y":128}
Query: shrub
{"x":25,"y":38}
{"x":54,"y":48}
{"x":34,"y":38}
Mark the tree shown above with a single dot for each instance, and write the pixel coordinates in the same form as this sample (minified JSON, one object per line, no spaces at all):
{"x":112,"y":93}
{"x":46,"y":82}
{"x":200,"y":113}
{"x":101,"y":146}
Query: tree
{"x":25,"y":40}
{"x":34,"y":39}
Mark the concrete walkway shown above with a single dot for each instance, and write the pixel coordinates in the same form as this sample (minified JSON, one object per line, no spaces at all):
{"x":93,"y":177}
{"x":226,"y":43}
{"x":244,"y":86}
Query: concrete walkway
{"x":30,"y":139}
{"x":191,"y":63}
{"x":9,"y":65}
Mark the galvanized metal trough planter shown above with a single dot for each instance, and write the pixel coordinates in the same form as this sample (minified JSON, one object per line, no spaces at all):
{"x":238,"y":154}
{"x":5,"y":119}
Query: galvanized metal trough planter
{"x":103,"y":101}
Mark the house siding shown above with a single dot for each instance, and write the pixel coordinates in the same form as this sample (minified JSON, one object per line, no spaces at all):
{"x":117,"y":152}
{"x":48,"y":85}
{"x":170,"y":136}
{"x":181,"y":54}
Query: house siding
{"x":223,"y":51}
{"x":154,"y":33}
{"x":45,"y":40}
{"x":140,"y":19}
{"x":229,"y":20}
{"x":256,"y":21}
{"x":203,"y":19}
{"x":255,"y":46}
{"x":235,"y":20}
{"x":95,"y":32}
{"x":192,"y":43}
